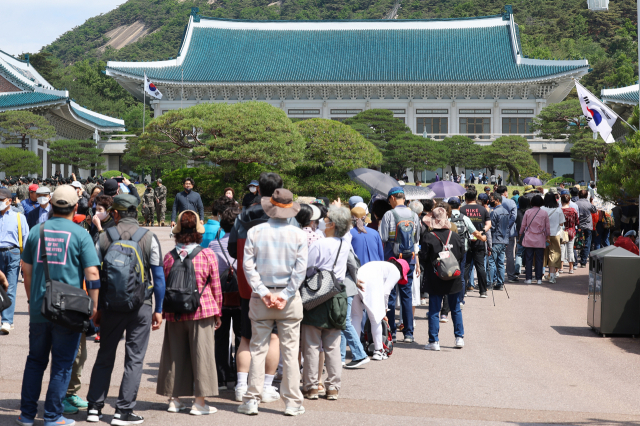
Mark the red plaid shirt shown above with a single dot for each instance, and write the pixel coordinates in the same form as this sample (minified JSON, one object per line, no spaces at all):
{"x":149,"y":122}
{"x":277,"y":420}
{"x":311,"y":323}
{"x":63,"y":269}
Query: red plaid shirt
{"x":206,"y":267}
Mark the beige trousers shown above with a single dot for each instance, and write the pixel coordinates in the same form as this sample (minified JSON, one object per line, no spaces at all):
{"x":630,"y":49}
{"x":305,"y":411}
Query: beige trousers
{"x":313,"y":339}
{"x":288,"y":321}
{"x":78,"y":364}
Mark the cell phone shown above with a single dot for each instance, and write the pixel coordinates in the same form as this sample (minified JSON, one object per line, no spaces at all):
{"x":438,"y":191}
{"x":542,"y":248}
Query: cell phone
{"x":119,"y":179}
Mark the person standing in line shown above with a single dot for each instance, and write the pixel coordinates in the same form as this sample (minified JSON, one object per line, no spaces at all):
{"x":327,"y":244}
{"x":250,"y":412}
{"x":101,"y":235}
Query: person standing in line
{"x":390,"y":239}
{"x":510,"y":252}
{"x":14,"y":232}
{"x":535,"y":230}
{"x":570,"y":222}
{"x":148,"y":205}
{"x":585,"y":208}
{"x":137,"y":324}
{"x":71,"y":250}
{"x":161,"y":201}
{"x":187,"y":362}
{"x":187,"y":200}
{"x":481,"y":220}
{"x":552,"y":253}
{"x":252,"y":196}
{"x":275,"y":264}
{"x":212,"y":227}
{"x":502,"y":222}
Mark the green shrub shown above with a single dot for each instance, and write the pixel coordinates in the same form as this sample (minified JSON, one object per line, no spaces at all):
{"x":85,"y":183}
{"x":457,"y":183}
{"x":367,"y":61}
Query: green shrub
{"x":559,"y":180}
{"x":113,"y":173}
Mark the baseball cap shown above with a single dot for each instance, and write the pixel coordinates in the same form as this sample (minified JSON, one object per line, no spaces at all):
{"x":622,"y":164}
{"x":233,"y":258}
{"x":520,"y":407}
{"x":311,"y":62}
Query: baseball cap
{"x":4,"y":193}
{"x":455,"y":201}
{"x":76,"y":184}
{"x":487,"y":188}
{"x":564,"y":192}
{"x":110,"y":187}
{"x":483,"y":197}
{"x":355,"y":200}
{"x":43,"y":190}
{"x":159,"y":180}
{"x":529,"y":188}
{"x":33,"y":187}
{"x":405,"y":270}
{"x":254,"y":183}
{"x":395,"y":190}
{"x":64,"y":196}
{"x":553,"y":190}
{"x":123,"y":202}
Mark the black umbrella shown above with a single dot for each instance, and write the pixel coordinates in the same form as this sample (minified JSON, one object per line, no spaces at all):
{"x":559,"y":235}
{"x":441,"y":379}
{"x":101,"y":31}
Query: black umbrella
{"x":374,"y":181}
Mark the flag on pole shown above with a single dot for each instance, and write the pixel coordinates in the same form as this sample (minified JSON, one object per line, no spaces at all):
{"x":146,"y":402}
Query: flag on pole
{"x":599,"y":116}
{"x":151,"y":89}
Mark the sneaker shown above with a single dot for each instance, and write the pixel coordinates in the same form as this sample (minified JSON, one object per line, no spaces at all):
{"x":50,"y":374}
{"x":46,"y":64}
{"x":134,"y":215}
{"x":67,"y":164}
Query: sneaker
{"x":461,"y":305}
{"x":94,"y":415}
{"x":527,"y":281}
{"x":539,"y":282}
{"x":393,"y":338}
{"x":240,"y":391}
{"x":294,"y":411}
{"x":77,"y":402}
{"x":423,"y":302}
{"x":343,"y":364}
{"x":250,"y":407}
{"x":197,"y":410}
{"x":444,"y":318}
{"x":62,"y":421}
{"x":357,"y":362}
{"x":121,"y":418}
{"x":483,"y":295}
{"x":432,"y":346}
{"x":514,"y":280}
{"x":378,"y":355}
{"x":68,"y":408}
{"x":312,"y":393}
{"x":175,"y":405}
{"x":408,"y":339}
{"x":97,"y":338}
{"x":23,"y":421}
{"x":459,"y":342}
{"x":546,"y":278}
{"x":499,"y":288}
{"x":552,"y":280}
{"x":332,"y":393}
{"x":269,"y":394}
{"x":5,"y":328}
{"x":571,"y":271}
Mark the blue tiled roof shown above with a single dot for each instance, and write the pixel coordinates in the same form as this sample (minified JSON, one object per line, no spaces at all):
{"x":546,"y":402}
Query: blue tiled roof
{"x":626,"y":96}
{"x":223,"y":55}
{"x":27,"y":98}
{"x":100,"y":122}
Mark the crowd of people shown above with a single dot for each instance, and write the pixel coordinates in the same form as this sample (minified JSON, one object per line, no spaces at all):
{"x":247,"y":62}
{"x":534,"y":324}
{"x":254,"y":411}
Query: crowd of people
{"x":290,"y":285}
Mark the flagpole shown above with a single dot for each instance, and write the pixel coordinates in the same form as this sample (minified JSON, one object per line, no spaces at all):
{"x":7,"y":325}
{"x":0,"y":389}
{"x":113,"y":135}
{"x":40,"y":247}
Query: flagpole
{"x":144,"y":99}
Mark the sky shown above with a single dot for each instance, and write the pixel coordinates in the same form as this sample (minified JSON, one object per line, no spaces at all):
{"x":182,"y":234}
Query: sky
{"x":28,"y":25}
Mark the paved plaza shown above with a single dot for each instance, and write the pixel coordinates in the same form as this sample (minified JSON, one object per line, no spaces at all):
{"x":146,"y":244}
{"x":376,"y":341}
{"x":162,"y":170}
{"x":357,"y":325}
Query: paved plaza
{"x":531,"y":359}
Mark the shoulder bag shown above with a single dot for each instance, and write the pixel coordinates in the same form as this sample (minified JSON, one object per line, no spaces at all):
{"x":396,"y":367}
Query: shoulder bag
{"x":321,"y":286}
{"x":64,"y":304}
{"x":228,"y":279}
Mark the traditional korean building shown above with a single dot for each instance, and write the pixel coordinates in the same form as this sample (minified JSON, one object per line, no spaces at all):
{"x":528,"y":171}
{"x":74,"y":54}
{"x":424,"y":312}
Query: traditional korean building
{"x":441,"y":77}
{"x":23,"y":88}
{"x":621,"y":99}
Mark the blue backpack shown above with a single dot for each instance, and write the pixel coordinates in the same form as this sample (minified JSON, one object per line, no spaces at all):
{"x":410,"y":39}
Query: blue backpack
{"x":404,"y":245}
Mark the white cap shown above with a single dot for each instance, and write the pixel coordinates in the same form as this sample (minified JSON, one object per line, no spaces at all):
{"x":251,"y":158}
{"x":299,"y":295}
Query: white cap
{"x":76,"y":184}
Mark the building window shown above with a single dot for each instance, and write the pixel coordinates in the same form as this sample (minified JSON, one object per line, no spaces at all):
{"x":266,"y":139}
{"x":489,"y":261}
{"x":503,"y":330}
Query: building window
{"x":340,"y":119}
{"x":400,"y":118}
{"x":433,"y":126}
{"x":517,"y":111}
{"x":398,"y":111}
{"x":432,"y":111}
{"x":475,"y":126}
{"x":346,"y":111}
{"x":304,"y":112}
{"x":517,"y":125}
{"x":40,"y":143}
{"x":475,"y":111}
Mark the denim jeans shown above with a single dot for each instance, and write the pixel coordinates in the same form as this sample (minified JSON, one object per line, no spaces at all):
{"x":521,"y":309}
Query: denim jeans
{"x":351,"y":338}
{"x":10,"y":265}
{"x":435,"y":304}
{"x":498,"y":253}
{"x":44,"y":339}
{"x":584,"y":253}
{"x":600,"y":237}
{"x":529,"y":253}
{"x":490,"y":266}
{"x":406,"y":299}
{"x":463,"y":265}
{"x":510,"y":254}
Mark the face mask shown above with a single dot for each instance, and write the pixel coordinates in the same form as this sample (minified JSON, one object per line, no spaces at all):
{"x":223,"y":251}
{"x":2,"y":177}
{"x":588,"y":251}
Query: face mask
{"x":252,"y":189}
{"x":187,"y":190}
{"x":102,"y":216}
{"x":322,"y":225}
{"x":43,"y":200}
{"x":6,"y":205}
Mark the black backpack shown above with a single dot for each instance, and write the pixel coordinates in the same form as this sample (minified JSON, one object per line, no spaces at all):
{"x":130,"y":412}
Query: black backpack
{"x":228,"y":279}
{"x":181,"y":295}
{"x":64,"y":304}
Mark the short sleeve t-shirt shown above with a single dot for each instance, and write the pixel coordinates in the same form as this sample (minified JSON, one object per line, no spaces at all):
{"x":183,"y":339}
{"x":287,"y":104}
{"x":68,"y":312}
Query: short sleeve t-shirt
{"x":478,"y":215}
{"x":70,"y":250}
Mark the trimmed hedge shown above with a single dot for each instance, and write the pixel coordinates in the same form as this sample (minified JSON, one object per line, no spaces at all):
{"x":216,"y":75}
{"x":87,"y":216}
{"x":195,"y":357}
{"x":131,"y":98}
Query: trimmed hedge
{"x":559,"y":180}
{"x":113,"y":173}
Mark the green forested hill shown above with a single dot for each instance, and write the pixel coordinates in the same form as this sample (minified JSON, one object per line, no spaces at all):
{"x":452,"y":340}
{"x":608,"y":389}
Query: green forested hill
{"x":560,"y":29}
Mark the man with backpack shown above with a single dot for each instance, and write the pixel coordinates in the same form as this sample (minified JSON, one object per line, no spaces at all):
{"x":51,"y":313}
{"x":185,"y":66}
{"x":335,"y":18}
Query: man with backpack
{"x":400,"y":234}
{"x":125,"y":305}
{"x":481,"y":220}
{"x":70,"y":249}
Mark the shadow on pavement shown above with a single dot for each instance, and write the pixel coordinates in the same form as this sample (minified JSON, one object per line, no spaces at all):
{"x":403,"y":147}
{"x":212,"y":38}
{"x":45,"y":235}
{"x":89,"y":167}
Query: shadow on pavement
{"x":603,"y":422}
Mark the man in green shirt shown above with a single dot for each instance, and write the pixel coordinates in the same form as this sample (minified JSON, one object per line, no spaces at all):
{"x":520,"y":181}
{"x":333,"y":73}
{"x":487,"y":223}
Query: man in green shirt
{"x":72,"y":259}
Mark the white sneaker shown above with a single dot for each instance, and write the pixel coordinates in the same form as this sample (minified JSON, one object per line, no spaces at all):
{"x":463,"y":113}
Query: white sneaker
{"x":269,"y":394}
{"x":240,"y":391}
{"x":5,"y":328}
{"x":527,"y":281}
{"x":444,"y":318}
{"x":250,"y":407}
{"x":459,"y":342}
{"x":294,"y":411}
{"x":552,"y":280}
{"x":175,"y":406}
{"x":197,"y":410}
{"x":461,"y":305}
{"x":433,"y":346}
{"x":378,"y":355}
{"x":539,"y":282}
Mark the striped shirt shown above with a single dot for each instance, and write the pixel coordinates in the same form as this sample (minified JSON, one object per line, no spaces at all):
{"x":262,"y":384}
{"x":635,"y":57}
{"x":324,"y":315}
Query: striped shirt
{"x":275,"y":256}
{"x":206,"y":267}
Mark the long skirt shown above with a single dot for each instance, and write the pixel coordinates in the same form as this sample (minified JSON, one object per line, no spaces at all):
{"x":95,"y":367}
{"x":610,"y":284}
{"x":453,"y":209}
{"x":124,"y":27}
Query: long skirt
{"x":552,"y":254}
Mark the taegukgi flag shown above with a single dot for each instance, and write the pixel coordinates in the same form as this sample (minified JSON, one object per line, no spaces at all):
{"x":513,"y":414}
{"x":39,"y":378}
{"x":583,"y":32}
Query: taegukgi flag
{"x":600,"y":117}
{"x":151,"y":89}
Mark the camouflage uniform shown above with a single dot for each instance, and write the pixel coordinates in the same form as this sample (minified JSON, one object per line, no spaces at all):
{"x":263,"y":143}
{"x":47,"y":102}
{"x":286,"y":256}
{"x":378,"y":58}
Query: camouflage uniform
{"x":23,"y":191}
{"x":161,"y":205}
{"x":90,"y":187}
{"x":148,"y":204}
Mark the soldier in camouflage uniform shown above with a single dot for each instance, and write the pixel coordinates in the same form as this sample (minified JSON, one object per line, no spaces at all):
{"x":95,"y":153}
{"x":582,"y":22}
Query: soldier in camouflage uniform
{"x":23,"y":190}
{"x":13,"y":188}
{"x":90,"y":185}
{"x":148,"y":205}
{"x":161,"y":202}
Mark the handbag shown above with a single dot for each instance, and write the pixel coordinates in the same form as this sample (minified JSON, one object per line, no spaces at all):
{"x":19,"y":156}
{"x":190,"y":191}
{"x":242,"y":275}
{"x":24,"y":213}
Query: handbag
{"x":64,"y":304}
{"x":321,"y":286}
{"x":228,"y":279}
{"x":5,"y":302}
{"x":521,"y":239}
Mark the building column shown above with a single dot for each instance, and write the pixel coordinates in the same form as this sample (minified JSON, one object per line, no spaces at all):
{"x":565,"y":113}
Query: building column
{"x":543,"y":163}
{"x":411,"y":121}
{"x":325,"y":110}
{"x":496,"y":126}
{"x":454,"y":125}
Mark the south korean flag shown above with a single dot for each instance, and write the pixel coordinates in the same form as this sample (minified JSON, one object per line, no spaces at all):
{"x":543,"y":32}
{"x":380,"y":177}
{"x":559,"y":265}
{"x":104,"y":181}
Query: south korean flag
{"x":151,"y":89}
{"x":599,"y":117}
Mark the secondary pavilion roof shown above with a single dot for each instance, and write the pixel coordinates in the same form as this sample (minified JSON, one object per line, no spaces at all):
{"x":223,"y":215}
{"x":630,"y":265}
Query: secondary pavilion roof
{"x":622,"y":95}
{"x":466,"y":51}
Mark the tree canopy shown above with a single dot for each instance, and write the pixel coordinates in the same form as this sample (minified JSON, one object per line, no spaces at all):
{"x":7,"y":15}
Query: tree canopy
{"x":79,"y":154}
{"x":512,"y":153}
{"x":619,"y":175}
{"x":146,"y":157}
{"x":563,"y":120}
{"x":461,"y":151}
{"x":18,"y":162}
{"x":588,"y":149}
{"x":25,"y":124}
{"x":378,"y":126}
